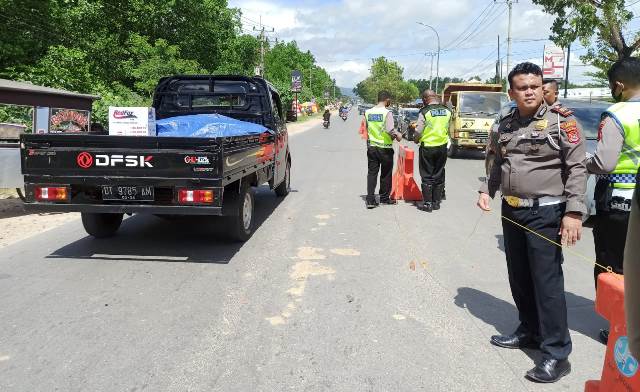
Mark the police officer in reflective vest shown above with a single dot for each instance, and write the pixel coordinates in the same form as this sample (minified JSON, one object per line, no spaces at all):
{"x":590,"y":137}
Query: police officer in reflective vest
{"x":616,"y":162}
{"x":540,"y":170}
{"x":381,"y":133}
{"x":432,"y":133}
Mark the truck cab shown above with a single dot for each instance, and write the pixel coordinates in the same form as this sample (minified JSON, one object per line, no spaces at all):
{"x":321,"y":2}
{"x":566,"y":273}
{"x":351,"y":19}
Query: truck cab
{"x":474,"y":108}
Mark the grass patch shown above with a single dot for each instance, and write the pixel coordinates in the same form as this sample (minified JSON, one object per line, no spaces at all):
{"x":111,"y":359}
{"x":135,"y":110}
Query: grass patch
{"x":304,"y":118}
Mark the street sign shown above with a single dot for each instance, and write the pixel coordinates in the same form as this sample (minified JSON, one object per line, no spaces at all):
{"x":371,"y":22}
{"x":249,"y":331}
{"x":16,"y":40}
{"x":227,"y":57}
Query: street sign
{"x":326,"y":94}
{"x":296,"y":81}
{"x":553,"y":67}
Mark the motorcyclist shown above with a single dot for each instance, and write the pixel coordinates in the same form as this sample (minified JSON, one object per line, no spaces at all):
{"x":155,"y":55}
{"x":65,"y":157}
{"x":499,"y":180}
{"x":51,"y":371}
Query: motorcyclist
{"x":327,"y":116}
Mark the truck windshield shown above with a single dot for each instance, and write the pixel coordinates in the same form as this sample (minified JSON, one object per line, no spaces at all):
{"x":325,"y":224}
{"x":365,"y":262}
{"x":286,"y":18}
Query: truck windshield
{"x":478,"y":103}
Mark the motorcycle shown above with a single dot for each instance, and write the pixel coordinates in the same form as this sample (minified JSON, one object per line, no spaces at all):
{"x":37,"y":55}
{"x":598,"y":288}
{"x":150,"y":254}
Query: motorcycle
{"x":325,"y":124}
{"x":343,"y":116}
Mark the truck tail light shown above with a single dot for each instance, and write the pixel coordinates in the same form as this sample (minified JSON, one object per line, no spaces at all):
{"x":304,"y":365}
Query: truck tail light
{"x":51,"y":193}
{"x":195,"y":196}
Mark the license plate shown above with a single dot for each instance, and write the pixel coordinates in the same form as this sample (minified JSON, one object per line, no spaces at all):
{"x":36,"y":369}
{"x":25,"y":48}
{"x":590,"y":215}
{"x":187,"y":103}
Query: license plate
{"x":127,"y":193}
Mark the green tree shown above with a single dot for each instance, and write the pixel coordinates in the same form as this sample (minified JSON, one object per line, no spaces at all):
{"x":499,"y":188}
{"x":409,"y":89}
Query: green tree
{"x":423,"y":84}
{"x":386,"y":75}
{"x":148,"y":63}
{"x":598,"y":24}
{"x":118,"y":49}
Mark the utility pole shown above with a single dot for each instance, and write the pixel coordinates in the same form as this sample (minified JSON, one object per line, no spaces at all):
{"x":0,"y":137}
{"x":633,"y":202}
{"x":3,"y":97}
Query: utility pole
{"x":438,"y":62}
{"x":566,"y":76}
{"x":262,"y":30}
{"x":498,"y":65}
{"x":430,"y":74}
{"x":509,"y":38}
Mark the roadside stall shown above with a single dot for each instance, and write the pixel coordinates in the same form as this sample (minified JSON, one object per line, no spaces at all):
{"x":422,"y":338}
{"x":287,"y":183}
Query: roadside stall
{"x":54,"y":111}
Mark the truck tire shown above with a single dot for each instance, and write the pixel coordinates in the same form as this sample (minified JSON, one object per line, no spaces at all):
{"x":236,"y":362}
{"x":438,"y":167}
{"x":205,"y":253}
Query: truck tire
{"x":283,"y":189}
{"x":452,"y":151}
{"x":241,"y":222}
{"x":101,"y":225}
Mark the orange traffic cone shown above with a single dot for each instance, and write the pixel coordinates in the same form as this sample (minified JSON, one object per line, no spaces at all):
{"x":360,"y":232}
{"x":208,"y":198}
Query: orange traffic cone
{"x":404,"y":185}
{"x":363,"y":130}
{"x":620,"y":370}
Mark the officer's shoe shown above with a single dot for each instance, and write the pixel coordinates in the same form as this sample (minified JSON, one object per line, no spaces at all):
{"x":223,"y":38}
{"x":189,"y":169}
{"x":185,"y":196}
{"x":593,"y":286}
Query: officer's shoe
{"x":604,"y":336}
{"x":371,"y":204}
{"x":389,"y":202}
{"x":549,"y":370}
{"x":436,"y":205}
{"x":516,"y":340}
{"x":427,"y":206}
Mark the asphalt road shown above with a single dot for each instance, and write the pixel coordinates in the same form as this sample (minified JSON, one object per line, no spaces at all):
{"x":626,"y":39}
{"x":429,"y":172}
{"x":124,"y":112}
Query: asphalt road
{"x":326,"y":296}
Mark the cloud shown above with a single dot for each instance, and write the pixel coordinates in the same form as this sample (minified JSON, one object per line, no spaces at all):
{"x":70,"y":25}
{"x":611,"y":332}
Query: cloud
{"x":344,"y":35}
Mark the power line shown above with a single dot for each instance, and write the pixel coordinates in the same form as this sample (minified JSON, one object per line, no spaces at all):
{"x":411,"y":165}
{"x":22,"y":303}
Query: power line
{"x":483,"y":24}
{"x":490,"y":5}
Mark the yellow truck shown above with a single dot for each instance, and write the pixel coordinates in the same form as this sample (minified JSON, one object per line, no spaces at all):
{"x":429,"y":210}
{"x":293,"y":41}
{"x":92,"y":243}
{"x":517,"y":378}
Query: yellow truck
{"x":474,"y":107}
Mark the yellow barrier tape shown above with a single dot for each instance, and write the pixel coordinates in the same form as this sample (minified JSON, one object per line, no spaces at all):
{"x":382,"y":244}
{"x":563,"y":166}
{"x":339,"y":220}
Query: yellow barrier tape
{"x":568,"y":249}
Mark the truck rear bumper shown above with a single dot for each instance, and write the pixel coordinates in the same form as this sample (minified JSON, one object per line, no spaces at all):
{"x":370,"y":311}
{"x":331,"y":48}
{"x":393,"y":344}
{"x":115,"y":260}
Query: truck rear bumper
{"x":471,"y":143}
{"x":124,"y":209}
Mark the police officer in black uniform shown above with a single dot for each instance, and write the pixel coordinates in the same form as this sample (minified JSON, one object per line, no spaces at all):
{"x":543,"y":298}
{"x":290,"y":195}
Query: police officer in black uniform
{"x":539,"y":169}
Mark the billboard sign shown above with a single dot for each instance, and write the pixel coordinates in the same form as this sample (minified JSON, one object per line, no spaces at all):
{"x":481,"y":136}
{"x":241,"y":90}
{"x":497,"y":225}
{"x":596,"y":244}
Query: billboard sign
{"x":553,"y":64}
{"x":296,"y":81}
{"x":68,"y":121}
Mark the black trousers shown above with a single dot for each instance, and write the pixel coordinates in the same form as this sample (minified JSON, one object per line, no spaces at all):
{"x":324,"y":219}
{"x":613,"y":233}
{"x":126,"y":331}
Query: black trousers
{"x":536,"y":277}
{"x":610,"y":236}
{"x":379,"y":160}
{"x":432,"y":171}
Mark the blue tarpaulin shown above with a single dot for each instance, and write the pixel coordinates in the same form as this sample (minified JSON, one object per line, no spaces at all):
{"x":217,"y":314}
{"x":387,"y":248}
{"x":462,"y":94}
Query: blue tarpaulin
{"x":206,"y":126}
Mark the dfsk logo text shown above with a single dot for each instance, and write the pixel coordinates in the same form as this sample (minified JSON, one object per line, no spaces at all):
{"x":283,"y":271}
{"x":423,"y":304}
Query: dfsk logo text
{"x":85,"y":160}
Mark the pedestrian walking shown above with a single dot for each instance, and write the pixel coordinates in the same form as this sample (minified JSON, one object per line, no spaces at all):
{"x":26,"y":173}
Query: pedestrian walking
{"x":432,"y":134}
{"x":539,"y":169}
{"x":381,"y":133}
{"x":632,"y":280}
{"x":616,"y":162}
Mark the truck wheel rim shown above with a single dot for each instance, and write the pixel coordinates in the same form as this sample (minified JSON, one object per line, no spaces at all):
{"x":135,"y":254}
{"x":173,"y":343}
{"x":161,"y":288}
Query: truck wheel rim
{"x":247,"y":211}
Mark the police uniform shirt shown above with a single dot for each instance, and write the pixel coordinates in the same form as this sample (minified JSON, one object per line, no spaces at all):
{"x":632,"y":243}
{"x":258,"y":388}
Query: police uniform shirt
{"x":390,"y":123}
{"x":540,"y":156}
{"x":610,"y":142}
{"x":421,"y":123}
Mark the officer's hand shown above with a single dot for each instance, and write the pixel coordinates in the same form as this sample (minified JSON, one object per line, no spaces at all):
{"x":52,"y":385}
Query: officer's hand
{"x":571,"y":229}
{"x":398,"y":136}
{"x":483,"y":202}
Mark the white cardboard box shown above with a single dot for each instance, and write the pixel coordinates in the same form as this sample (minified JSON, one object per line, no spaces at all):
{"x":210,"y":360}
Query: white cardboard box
{"x":132,"y":121}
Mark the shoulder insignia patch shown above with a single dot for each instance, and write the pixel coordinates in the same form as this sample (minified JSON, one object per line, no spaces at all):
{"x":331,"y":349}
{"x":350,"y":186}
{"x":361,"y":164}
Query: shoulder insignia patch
{"x":561,"y":110}
{"x":571,"y":129}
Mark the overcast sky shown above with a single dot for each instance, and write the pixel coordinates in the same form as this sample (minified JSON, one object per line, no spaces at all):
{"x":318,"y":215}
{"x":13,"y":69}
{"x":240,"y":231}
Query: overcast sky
{"x":345,"y":35}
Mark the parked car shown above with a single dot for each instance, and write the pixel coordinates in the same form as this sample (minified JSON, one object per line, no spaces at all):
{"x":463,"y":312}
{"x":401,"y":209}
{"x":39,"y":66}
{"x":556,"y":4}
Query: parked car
{"x":588,"y":115}
{"x":408,"y":117}
{"x":363,"y":108}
